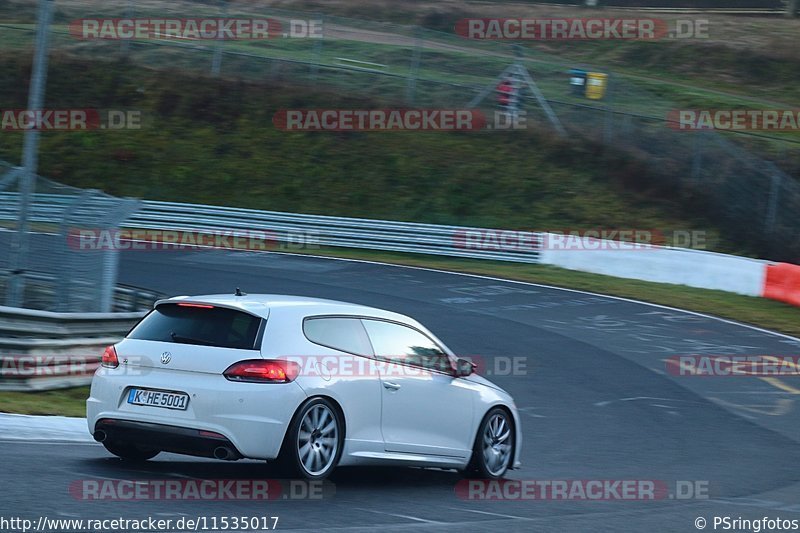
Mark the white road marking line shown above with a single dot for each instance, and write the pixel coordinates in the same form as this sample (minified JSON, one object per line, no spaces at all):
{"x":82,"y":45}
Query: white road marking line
{"x":407,"y":517}
{"x":636,"y":398}
{"x":754,"y":502}
{"x":527,"y":411}
{"x":756,"y":392}
{"x":489,"y":514}
{"x":95,"y":476}
{"x":173,"y":474}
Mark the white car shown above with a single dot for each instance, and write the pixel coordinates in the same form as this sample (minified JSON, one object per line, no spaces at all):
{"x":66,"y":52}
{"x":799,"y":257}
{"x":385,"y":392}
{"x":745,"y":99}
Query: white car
{"x":310,"y":383}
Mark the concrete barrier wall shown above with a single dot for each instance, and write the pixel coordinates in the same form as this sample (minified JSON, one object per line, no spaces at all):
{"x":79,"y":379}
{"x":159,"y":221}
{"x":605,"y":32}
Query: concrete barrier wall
{"x":694,"y":268}
{"x":783,"y":283}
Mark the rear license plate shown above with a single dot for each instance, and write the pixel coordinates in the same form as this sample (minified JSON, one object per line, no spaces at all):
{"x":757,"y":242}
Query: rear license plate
{"x":158,"y":398}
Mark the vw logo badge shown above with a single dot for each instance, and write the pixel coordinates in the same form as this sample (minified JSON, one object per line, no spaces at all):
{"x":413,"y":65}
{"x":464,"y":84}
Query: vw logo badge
{"x":166,"y":357}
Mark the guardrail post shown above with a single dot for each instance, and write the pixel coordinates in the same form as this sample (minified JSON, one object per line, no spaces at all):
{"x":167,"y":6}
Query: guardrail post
{"x":125,"y":44}
{"x":134,"y":305}
{"x":109,"y":281}
{"x":216,"y":63}
{"x":791,"y":8}
{"x":413,"y":71}
{"x":316,"y":52}
{"x":772,"y":206}
{"x":697,"y":157}
{"x":608,"y":131}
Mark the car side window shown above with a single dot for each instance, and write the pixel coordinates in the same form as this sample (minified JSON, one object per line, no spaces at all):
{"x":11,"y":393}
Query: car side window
{"x":401,"y":344}
{"x":340,"y":333}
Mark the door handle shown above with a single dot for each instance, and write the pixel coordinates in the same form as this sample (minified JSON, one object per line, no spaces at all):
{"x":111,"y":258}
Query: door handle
{"x":391,"y":386}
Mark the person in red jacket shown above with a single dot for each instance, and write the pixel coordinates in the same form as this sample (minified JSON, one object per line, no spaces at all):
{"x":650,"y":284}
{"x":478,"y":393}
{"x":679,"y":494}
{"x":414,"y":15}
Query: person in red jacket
{"x":504,"y":91}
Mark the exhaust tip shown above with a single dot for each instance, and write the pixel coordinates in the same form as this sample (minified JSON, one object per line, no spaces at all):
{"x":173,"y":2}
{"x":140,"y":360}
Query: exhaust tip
{"x":224,"y":453}
{"x":99,"y":435}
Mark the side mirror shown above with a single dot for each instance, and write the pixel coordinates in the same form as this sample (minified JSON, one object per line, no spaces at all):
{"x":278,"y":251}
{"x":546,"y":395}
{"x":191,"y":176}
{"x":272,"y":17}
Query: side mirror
{"x":464,"y":368}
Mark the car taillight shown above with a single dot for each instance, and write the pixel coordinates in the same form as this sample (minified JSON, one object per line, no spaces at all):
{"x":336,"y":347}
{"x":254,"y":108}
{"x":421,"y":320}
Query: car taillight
{"x":110,"y":358}
{"x":263,"y":371}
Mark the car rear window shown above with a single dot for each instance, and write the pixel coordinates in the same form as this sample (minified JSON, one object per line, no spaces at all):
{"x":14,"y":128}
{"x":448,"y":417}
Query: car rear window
{"x":199,"y":324}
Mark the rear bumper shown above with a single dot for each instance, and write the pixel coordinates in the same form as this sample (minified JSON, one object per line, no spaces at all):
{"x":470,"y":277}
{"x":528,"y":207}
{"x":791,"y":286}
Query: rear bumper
{"x":166,"y":438}
{"x":251,"y":417}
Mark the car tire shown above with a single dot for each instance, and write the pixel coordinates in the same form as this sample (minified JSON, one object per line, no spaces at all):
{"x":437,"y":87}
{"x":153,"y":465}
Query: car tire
{"x":314,"y":441}
{"x":130,"y":453}
{"x":492,"y":454}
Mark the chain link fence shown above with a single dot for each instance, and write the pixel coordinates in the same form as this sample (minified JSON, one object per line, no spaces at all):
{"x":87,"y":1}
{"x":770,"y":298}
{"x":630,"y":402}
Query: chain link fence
{"x":58,"y":274}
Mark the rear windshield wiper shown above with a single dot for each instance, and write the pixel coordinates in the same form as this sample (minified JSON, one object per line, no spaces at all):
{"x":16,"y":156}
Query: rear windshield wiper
{"x":190,"y":340}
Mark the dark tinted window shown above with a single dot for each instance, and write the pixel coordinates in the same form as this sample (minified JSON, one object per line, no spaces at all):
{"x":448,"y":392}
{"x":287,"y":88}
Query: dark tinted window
{"x":345,"y":334}
{"x":209,"y":326}
{"x":401,"y":344}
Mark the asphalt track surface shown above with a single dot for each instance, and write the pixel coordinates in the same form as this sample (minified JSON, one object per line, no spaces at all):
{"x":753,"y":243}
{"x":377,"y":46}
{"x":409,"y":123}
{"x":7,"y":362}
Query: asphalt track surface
{"x":595,"y":400}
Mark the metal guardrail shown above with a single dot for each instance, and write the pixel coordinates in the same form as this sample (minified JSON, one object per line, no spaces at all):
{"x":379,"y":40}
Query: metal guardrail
{"x":17,"y":325}
{"x":40,"y":350}
{"x":733,"y":8}
{"x":341,"y":232}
